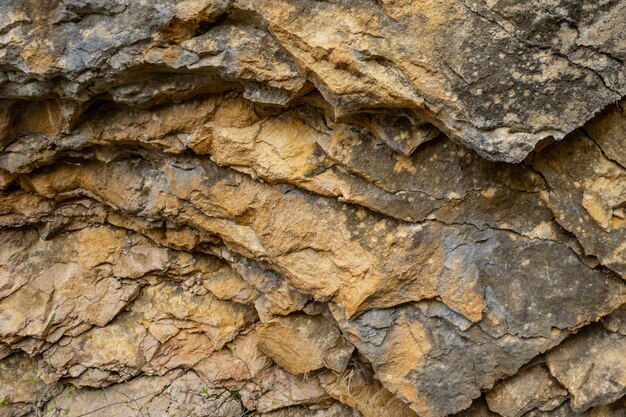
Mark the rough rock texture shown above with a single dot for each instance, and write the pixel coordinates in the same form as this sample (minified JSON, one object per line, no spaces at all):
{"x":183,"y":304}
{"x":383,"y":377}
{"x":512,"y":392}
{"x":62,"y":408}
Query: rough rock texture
{"x":313,"y":208}
{"x":529,"y":389}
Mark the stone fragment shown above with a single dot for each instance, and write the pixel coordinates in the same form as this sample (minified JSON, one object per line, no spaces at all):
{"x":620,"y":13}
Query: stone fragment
{"x":479,"y":408}
{"x":357,"y":388}
{"x":52,"y":287}
{"x":592,"y":366}
{"x":335,"y":410}
{"x":616,"y":321}
{"x":530,"y":388}
{"x":235,"y":364}
{"x":430,"y":363}
{"x":175,"y":393}
{"x":608,"y":130}
{"x":300,"y":343}
{"x":588,"y":194}
{"x":616,"y":409}
{"x":25,"y":384}
{"x":282,"y":390}
{"x":166,"y":328}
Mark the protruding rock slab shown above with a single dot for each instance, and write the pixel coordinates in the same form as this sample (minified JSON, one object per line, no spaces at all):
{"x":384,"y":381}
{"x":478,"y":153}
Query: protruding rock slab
{"x":530,"y":388}
{"x":483,"y":72}
{"x":592,"y":366}
{"x":431,"y":364}
{"x":357,"y":388}
{"x":586,"y":174}
{"x":300,"y":343}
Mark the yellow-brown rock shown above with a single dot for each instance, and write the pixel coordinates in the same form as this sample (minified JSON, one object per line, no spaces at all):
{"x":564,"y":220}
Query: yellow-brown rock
{"x":236,"y":208}
{"x":300,"y":344}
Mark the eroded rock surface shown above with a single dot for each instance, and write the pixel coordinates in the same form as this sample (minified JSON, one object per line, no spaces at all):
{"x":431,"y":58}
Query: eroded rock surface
{"x":591,"y":366}
{"x":318,"y":209}
{"x":531,"y":388}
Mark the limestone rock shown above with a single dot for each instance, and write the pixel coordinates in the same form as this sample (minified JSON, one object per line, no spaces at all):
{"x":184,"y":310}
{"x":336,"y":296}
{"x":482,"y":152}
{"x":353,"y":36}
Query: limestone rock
{"x":479,"y":408}
{"x":312,"y":208}
{"x":587,"y":190}
{"x":530,"y":388}
{"x":301,"y":343}
{"x":357,"y":388}
{"x":25,"y":385}
{"x":335,"y":410}
{"x":310,"y":250}
{"x":616,"y":321}
{"x":284,"y":390}
{"x":429,"y":362}
{"x":617,"y":409}
{"x":164,"y":329}
{"x":176,"y":393}
{"x":591,"y":365}
{"x":391,"y":54}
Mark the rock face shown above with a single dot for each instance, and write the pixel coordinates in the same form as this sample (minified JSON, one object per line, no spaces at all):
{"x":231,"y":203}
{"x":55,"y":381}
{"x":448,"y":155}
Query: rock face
{"x":313,"y":208}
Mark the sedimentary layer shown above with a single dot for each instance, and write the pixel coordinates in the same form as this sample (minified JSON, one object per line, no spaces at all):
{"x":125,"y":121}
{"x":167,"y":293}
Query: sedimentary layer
{"x":313,"y":208}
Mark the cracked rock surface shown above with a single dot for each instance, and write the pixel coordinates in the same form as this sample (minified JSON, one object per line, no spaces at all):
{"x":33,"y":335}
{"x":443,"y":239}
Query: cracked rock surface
{"x":381,"y":208}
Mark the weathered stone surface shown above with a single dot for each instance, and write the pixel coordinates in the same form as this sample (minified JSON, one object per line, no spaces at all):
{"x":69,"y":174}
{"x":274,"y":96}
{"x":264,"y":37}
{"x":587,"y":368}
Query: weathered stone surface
{"x":587,"y":194}
{"x":616,"y":321}
{"x":25,"y":385}
{"x":608,"y":130}
{"x":390,"y":54}
{"x":295,"y":208}
{"x":507,"y":311}
{"x":335,"y":410}
{"x":530,"y":388}
{"x":357,"y":388}
{"x":617,"y":409}
{"x":478,"y":408}
{"x":164,"y":329}
{"x":284,"y":390}
{"x":431,"y":363}
{"x":176,"y":393}
{"x":313,"y":343}
{"x":591,"y":365}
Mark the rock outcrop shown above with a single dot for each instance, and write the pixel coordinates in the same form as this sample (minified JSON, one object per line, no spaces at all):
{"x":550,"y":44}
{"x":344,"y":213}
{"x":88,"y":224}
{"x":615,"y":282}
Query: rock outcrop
{"x":313,"y":208}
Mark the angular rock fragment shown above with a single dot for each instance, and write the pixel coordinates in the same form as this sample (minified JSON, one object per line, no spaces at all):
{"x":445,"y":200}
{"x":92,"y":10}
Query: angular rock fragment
{"x":236,"y":364}
{"x":25,"y":384}
{"x":300,"y":343}
{"x":176,"y":393}
{"x":402,"y":131}
{"x":591,"y":365}
{"x":617,"y":409}
{"x":357,"y":388}
{"x":608,"y":131}
{"x":587,"y":195}
{"x":530,"y":388}
{"x":166,"y":328}
{"x":284,"y":390}
{"x":40,"y":281}
{"x":616,"y":321}
{"x":479,"y":408}
{"x":335,"y":410}
{"x":431,"y":364}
